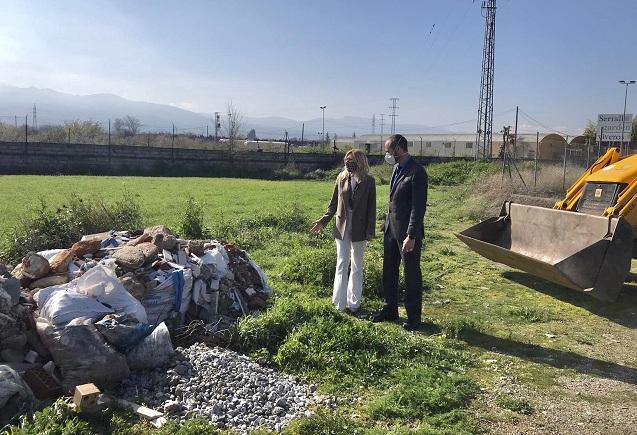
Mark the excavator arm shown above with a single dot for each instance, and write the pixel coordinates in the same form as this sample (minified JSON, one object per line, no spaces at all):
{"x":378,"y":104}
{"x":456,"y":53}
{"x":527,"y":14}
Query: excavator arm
{"x":574,"y":193}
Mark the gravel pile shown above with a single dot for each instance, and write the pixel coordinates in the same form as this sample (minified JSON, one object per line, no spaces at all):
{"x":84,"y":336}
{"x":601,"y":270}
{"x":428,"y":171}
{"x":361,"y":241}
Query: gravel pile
{"x":225,"y":387}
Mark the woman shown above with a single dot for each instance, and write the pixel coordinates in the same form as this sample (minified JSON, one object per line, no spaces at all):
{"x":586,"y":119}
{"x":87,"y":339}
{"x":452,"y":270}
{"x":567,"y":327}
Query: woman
{"x":354,"y":203}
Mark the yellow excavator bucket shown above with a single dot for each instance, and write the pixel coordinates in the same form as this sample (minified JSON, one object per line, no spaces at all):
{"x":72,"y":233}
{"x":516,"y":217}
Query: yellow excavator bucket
{"x":584,"y":252}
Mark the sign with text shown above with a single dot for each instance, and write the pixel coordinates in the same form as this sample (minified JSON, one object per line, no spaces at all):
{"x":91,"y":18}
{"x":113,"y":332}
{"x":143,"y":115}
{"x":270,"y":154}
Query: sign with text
{"x":609,"y":127}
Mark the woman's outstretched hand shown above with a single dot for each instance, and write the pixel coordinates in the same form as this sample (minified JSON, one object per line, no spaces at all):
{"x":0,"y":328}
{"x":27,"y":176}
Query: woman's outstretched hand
{"x":317,"y":227}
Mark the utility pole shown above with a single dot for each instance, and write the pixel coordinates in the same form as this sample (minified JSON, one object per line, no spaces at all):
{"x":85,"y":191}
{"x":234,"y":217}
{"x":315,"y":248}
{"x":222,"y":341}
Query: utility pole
{"x":382,"y":124}
{"x":323,"y":111}
{"x":374,"y":123}
{"x":217,"y":126}
{"x":515,"y":137}
{"x":484,"y":139}
{"x":302,"y":133}
{"x":26,"y":129}
{"x":34,"y":120}
{"x":625,"y":82}
{"x":393,"y":115}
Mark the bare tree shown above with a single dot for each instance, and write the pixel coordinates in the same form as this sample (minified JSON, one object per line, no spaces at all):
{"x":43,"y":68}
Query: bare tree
{"x":234,"y":123}
{"x":127,"y":126}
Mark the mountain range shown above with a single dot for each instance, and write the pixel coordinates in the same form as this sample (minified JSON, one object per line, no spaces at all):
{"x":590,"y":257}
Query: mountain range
{"x":53,"y":108}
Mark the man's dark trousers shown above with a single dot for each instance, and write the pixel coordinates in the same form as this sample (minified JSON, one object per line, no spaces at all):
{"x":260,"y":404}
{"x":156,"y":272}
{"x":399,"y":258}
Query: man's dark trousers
{"x":393,"y":255}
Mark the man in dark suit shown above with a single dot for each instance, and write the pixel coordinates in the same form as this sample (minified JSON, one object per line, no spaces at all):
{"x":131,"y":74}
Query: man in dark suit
{"x":403,"y":233}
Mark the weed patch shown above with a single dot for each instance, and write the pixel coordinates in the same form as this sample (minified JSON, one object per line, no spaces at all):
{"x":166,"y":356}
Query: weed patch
{"x":515,"y":404}
{"x":531,"y":315}
{"x":45,"y":228}
{"x":420,"y":392}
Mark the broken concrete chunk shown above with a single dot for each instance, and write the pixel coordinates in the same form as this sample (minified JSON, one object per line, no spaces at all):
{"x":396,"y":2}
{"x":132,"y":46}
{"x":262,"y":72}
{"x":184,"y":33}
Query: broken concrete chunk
{"x":12,"y":355}
{"x":35,"y":266}
{"x":196,"y":247}
{"x":165,"y":241}
{"x":49,"y":281}
{"x":12,"y":287}
{"x":133,"y":285}
{"x":150,"y":251}
{"x":13,"y":339}
{"x":129,"y":257}
{"x":144,"y":238}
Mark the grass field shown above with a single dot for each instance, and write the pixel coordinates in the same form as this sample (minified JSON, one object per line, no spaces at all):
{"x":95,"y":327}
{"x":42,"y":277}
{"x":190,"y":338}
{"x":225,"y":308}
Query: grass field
{"x":502,"y":351}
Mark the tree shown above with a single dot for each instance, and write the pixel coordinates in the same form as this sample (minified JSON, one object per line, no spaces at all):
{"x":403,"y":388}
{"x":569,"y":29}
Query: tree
{"x":590,"y":132}
{"x":84,"y":131}
{"x":234,"y":123}
{"x":354,"y":135}
{"x":252,"y":135}
{"x":327,"y":137}
{"x":127,"y":126}
{"x":634,"y":134}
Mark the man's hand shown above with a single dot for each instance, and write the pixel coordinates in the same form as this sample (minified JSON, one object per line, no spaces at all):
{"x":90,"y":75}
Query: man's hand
{"x":317,"y":227}
{"x":408,"y":244}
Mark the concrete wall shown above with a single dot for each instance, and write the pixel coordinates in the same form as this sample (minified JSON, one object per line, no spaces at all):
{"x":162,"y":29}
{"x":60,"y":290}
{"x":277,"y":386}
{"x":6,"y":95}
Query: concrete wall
{"x":68,"y":159}
{"x":47,"y":158}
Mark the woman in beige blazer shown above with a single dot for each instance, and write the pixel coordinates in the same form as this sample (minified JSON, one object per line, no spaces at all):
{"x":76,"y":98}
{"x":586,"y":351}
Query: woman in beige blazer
{"x":354,"y":204}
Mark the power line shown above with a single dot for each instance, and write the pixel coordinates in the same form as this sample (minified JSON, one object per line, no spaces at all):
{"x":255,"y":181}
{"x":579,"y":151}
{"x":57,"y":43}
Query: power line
{"x":530,"y":118}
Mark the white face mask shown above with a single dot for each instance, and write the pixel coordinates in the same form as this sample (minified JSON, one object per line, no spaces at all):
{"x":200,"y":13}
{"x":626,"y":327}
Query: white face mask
{"x":390,"y":159}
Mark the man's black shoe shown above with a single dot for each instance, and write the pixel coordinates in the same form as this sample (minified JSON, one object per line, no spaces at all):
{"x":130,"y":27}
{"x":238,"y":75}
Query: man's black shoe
{"x":411,"y":326}
{"x":384,"y":316}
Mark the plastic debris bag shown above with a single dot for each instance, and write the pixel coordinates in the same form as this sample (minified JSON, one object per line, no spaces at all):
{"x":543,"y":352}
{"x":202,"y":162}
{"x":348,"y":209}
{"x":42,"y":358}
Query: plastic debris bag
{"x":15,"y":395}
{"x":172,"y":295}
{"x":82,"y":354}
{"x":122,"y":333}
{"x":102,"y":283}
{"x":154,"y":351}
{"x":63,"y":306}
{"x":219,"y":257}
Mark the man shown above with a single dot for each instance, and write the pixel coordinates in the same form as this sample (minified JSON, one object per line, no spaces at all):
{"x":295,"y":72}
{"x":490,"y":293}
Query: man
{"x":403,"y":233}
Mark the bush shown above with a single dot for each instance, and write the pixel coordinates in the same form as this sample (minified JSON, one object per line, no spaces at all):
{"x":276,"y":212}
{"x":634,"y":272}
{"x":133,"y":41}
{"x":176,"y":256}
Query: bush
{"x":346,"y":352}
{"x":485,"y":195}
{"x":314,"y":266}
{"x":192,"y":222}
{"x":458,"y":172}
{"x":271,"y":329}
{"x":252,"y":233}
{"x":46,"y":229}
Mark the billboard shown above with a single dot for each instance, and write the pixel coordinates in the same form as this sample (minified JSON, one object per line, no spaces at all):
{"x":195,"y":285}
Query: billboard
{"x":609,"y":127}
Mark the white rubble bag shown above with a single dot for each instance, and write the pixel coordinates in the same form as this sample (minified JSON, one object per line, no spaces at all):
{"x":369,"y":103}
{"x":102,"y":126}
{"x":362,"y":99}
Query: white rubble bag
{"x":63,"y":306}
{"x":101,"y":283}
{"x":82,"y":354}
{"x":154,"y":351}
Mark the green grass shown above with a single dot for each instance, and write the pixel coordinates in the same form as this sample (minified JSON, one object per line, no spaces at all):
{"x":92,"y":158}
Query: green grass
{"x":408,"y":383}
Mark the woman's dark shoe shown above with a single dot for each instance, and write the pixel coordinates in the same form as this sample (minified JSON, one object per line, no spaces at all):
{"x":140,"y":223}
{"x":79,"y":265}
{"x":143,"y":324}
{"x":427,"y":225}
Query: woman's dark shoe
{"x":384,"y":316}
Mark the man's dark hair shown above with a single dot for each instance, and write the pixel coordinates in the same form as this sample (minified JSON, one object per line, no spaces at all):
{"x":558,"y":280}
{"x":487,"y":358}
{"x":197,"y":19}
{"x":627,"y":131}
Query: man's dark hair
{"x":398,"y":141}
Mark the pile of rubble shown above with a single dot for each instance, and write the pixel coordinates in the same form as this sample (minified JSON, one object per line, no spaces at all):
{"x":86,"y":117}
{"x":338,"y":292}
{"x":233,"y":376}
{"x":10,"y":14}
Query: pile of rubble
{"x":105,"y":307}
{"x":225,"y":387}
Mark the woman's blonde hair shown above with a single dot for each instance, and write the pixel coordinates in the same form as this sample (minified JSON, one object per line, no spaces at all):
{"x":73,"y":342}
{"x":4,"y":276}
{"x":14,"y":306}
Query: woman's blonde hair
{"x":362,"y":165}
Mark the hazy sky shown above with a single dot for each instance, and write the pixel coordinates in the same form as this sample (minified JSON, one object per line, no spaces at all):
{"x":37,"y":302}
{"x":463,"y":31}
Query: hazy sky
{"x":558,"y":60}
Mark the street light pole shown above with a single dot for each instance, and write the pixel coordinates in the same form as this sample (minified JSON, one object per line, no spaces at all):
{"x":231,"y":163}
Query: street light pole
{"x":323,"y":110}
{"x":626,"y":83}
